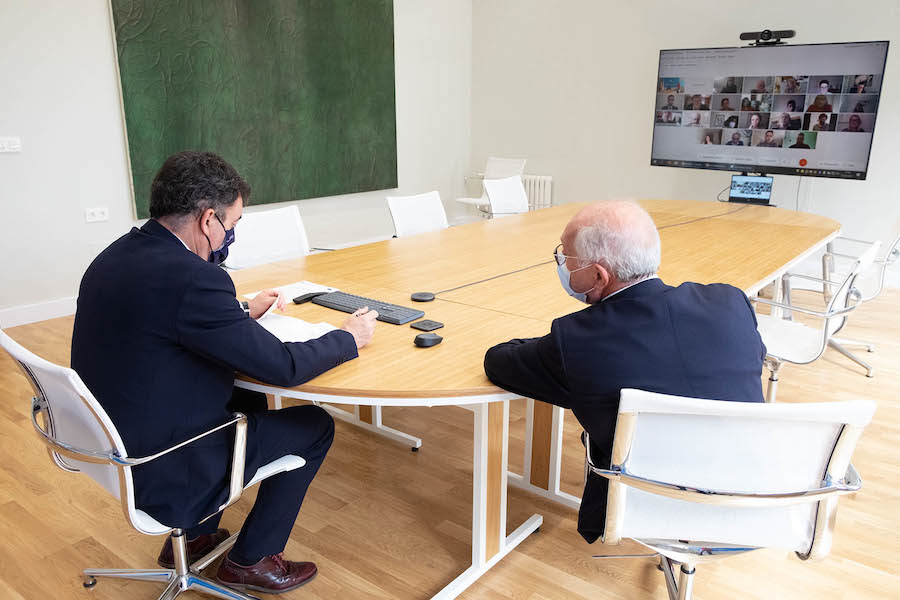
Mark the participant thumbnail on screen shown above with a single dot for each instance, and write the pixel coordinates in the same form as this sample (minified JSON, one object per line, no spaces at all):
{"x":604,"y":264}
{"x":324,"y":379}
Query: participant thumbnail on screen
{"x":855,"y":123}
{"x":728,"y":85}
{"x":786,"y":121}
{"x":825,"y":84}
{"x":709,"y":136}
{"x":695,"y":118}
{"x":670,"y":85}
{"x":738,"y":137}
{"x":820,"y":102}
{"x":697,"y":101}
{"x":819,"y":121}
{"x":752,"y":120}
{"x":862,"y":84}
{"x":726,"y":102}
{"x":767,"y":138}
{"x":800,"y":140}
{"x":859,"y":103}
{"x":758,"y":84}
{"x":667,"y":117}
{"x":728,"y":120}
{"x":789,"y":103}
{"x":756,"y":102}
{"x":790,"y":84}
{"x":669,"y":101}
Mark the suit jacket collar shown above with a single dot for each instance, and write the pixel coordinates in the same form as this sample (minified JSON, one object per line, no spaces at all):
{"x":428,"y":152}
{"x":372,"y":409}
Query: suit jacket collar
{"x":644,"y":288}
{"x":157,"y":230}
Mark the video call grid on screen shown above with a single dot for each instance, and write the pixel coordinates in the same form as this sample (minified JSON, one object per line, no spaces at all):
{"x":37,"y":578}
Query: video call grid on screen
{"x":797,"y":110}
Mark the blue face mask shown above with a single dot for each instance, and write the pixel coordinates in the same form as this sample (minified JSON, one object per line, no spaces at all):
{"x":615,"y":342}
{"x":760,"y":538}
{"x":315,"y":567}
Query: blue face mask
{"x":217,"y":257}
{"x":564,"y":276}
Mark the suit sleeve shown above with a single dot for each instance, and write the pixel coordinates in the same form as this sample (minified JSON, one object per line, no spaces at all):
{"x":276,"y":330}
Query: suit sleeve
{"x":533,"y":368}
{"x":210,"y":323}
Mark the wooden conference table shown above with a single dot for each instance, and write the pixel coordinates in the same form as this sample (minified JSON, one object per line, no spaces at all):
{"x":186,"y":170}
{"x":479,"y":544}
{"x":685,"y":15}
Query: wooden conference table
{"x":496,"y":280}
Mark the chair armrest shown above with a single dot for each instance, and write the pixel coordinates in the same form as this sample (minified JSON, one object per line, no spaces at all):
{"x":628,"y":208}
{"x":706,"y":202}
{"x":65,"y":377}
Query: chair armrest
{"x":854,"y":240}
{"x":854,"y":293}
{"x":850,"y":483}
{"x":112,"y":457}
{"x":811,"y":278}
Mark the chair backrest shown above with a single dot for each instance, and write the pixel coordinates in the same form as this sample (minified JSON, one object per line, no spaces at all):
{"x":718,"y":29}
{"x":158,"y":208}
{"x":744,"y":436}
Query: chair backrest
{"x":267,"y":236}
{"x":842,"y":297}
{"x":72,"y":416}
{"x":507,"y":196}
{"x":417,"y":214}
{"x":501,"y":168}
{"x":750,"y":448}
{"x":871,"y":282}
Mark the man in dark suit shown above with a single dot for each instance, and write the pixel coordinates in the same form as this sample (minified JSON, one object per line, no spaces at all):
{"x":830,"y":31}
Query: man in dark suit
{"x":158,"y":337}
{"x":692,"y":340}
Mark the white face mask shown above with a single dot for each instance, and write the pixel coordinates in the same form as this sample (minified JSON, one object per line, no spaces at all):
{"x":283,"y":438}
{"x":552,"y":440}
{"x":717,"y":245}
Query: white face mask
{"x":564,"y":275}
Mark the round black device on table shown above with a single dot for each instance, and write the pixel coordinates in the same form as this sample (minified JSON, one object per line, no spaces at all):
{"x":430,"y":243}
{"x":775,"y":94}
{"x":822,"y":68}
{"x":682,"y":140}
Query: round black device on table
{"x":427,"y":340}
{"x":422,"y":297}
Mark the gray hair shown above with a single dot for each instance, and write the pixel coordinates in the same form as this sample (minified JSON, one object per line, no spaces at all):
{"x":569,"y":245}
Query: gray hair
{"x":622,"y":237}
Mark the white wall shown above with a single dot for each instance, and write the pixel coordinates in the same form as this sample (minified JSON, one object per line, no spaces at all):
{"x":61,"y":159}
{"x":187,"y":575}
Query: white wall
{"x":60,"y":95}
{"x":569,"y":84}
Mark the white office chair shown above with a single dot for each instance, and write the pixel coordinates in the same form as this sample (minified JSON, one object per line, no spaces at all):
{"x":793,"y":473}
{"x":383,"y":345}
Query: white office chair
{"x":417,"y":214}
{"x":81,"y":438}
{"x":507,"y":196}
{"x":696,"y":480}
{"x":496,"y":168}
{"x":869,"y":284}
{"x":789,"y":341}
{"x":267,"y":236}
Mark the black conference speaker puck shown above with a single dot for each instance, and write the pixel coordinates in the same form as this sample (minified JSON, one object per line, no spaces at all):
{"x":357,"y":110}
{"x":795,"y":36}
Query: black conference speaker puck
{"x":422,"y":297}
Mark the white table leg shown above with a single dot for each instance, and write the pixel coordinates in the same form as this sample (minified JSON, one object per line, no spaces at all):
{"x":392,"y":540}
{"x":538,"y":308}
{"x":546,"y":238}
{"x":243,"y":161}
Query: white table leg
{"x":489,"y":540}
{"x":369,"y":418}
{"x":543,"y":454}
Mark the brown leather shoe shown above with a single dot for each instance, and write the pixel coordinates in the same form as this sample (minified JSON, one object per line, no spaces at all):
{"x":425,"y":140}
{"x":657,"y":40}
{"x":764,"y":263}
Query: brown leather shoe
{"x":197,"y":548}
{"x":272,"y":574}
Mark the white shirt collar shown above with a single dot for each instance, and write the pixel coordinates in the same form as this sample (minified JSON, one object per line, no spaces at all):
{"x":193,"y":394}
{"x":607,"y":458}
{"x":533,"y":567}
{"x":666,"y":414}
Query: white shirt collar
{"x":630,"y":285}
{"x":182,"y":243}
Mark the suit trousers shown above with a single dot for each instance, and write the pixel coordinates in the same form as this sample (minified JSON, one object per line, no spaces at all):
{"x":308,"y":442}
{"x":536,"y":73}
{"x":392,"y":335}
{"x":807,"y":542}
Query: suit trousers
{"x":306,"y":431}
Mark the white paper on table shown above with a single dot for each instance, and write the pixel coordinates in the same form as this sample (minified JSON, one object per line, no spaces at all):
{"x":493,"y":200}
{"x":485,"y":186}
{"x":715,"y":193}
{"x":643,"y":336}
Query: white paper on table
{"x":292,"y":290}
{"x":290,"y":329}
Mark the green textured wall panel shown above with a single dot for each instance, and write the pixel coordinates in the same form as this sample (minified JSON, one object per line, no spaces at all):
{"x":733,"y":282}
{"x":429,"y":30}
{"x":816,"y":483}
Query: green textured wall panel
{"x":297,"y":94}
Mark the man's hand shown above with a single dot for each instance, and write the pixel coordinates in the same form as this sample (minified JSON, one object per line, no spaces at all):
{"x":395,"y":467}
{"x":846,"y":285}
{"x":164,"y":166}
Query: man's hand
{"x":263,"y":300}
{"x":361,"y":325}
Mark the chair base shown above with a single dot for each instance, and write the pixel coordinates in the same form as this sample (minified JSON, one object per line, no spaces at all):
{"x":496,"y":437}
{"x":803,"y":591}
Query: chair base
{"x":838,"y":344}
{"x":182,"y":578}
{"x":177,"y":584}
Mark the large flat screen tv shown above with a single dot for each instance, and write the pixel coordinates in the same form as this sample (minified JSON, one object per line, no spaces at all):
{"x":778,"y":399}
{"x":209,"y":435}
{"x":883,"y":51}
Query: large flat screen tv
{"x":796,"y":110}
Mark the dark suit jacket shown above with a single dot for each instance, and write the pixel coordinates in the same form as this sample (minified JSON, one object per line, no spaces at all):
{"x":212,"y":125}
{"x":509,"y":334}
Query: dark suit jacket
{"x":158,"y":337}
{"x":694,"y":340}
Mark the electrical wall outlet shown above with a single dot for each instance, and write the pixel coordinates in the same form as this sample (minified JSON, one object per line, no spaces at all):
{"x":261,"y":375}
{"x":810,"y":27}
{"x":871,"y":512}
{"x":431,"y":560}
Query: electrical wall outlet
{"x":97,"y":214}
{"x":10,"y":144}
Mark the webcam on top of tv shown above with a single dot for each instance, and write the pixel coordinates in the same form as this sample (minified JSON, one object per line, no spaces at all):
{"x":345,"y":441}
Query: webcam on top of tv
{"x":767,"y":37}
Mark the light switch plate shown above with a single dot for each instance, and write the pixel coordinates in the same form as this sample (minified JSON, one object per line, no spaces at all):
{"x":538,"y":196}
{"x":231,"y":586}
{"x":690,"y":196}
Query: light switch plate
{"x":10,"y":144}
{"x":97,"y":214}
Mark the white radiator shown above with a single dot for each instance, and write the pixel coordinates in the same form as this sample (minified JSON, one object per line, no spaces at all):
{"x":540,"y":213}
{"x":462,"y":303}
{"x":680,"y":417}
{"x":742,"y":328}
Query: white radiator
{"x":539,"y":189}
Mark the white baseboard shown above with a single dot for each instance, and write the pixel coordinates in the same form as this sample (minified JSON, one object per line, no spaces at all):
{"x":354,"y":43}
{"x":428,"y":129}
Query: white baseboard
{"x":31,"y":313}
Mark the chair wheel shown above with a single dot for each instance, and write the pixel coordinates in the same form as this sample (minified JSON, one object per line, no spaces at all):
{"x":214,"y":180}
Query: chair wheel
{"x":90,"y":584}
{"x":870,"y":374}
{"x":414,"y":449}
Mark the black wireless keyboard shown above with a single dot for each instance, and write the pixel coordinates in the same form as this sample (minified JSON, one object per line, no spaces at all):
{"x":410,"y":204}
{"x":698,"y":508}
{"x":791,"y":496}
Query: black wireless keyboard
{"x":348,"y":303}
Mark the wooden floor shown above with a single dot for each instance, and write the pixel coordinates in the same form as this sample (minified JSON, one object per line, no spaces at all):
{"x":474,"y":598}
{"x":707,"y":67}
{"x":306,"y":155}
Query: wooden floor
{"x":382,"y":522}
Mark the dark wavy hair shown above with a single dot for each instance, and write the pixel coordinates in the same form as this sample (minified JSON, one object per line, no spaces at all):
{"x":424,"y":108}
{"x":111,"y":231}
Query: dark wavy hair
{"x":191,"y":182}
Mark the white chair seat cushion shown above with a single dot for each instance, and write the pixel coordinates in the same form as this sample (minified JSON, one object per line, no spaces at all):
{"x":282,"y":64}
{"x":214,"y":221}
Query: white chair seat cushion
{"x":789,"y":340}
{"x":151,"y":526}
